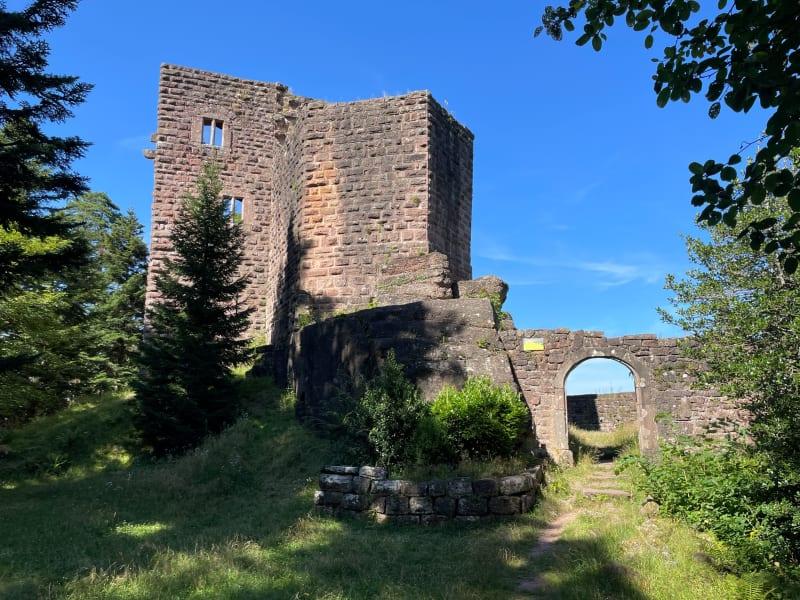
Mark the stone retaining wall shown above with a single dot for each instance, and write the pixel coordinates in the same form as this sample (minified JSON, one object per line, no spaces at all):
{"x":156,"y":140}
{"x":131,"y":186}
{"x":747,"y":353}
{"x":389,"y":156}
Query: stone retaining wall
{"x":366,"y":490}
{"x":601,"y":412}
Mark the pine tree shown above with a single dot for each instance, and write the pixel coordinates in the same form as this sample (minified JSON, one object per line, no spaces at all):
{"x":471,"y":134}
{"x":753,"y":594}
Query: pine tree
{"x":194,"y":334}
{"x":41,"y":361}
{"x":35,"y":172}
{"x":110,"y":289}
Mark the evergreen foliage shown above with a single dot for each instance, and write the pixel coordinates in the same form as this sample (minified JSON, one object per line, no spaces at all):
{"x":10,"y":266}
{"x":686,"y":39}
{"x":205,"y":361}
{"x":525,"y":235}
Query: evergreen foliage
{"x":110,"y":288}
{"x":35,"y":172}
{"x":76,"y":331}
{"x":385,"y":418}
{"x":194,"y":333}
{"x":41,"y":342}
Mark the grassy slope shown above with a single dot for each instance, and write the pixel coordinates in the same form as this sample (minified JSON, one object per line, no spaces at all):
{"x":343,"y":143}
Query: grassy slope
{"x":232,"y":521}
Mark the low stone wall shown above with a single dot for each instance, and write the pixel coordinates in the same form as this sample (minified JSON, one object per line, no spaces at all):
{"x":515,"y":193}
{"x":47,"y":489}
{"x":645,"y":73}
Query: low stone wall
{"x":350,"y":491}
{"x":601,"y":412}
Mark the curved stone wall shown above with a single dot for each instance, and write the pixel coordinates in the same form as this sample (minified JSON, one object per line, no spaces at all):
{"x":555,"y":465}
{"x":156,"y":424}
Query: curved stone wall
{"x":368,"y":491}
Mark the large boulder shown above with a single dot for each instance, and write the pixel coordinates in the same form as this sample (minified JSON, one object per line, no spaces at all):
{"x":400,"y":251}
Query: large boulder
{"x":489,"y":286}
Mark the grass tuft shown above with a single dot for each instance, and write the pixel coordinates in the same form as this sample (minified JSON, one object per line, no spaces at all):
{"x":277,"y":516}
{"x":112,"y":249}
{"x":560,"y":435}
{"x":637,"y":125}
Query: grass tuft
{"x":603,"y":445}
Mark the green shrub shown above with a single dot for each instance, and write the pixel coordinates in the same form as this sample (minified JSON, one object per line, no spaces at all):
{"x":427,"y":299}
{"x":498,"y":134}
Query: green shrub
{"x":481,"y":420}
{"x":431,"y":444}
{"x":735,"y":492}
{"x":386,"y":416}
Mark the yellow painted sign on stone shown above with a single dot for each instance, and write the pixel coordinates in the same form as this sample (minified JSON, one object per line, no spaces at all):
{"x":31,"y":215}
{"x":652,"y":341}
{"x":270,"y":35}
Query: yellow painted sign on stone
{"x":532,"y":344}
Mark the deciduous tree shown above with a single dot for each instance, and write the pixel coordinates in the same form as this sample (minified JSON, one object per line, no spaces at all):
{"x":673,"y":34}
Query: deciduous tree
{"x":736,"y":53}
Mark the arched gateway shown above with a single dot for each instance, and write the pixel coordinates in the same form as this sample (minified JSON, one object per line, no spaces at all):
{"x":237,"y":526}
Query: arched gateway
{"x":543,"y":359}
{"x":645,"y":406}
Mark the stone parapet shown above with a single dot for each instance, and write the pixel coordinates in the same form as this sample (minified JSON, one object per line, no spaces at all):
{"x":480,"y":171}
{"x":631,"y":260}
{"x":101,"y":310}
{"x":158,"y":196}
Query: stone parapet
{"x":367,"y":491}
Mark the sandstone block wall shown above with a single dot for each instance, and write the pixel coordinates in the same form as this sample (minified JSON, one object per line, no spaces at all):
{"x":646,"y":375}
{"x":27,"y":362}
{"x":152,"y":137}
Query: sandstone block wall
{"x":444,"y":341}
{"x":601,"y":412}
{"x":438,"y":342}
{"x":332,"y":191}
{"x":367,"y":490}
{"x":666,"y":402}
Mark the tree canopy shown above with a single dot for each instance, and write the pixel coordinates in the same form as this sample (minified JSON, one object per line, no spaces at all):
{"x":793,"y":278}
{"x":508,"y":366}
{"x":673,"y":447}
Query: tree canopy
{"x":35,"y":168}
{"x":735,"y":54}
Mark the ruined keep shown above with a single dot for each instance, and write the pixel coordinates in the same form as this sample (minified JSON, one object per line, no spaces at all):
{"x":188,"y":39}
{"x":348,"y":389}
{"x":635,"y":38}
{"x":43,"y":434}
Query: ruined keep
{"x":328,"y":192}
{"x":358,"y":221}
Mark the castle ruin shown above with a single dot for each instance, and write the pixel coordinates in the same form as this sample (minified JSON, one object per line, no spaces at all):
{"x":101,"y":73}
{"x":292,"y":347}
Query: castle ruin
{"x":363,"y":210}
{"x":328,"y":192}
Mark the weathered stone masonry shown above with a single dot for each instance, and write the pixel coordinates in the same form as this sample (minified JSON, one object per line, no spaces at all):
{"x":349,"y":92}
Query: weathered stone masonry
{"x":601,"y":412}
{"x":332,"y":191}
{"x":444,"y":341}
{"x":367,"y":490}
{"x":369,"y":203}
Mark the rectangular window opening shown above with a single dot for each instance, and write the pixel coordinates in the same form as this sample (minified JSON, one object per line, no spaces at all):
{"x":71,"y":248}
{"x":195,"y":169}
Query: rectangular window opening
{"x":234,"y":207}
{"x":212,"y":132}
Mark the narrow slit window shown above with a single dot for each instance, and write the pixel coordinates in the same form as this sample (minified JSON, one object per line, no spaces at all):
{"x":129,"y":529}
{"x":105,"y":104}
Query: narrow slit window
{"x":234,"y":207}
{"x":212,"y":132}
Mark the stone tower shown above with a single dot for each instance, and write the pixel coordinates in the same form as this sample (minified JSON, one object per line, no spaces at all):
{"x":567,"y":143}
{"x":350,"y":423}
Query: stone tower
{"x":328,"y":192}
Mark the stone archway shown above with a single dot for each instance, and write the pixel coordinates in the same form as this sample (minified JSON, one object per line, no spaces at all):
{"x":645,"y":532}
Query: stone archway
{"x":645,"y":402}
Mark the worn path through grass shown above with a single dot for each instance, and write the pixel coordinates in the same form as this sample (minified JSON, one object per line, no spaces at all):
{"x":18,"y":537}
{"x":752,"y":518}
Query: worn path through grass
{"x":599,"y":542}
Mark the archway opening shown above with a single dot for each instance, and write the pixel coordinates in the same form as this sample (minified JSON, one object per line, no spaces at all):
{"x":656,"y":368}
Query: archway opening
{"x":602,"y":408}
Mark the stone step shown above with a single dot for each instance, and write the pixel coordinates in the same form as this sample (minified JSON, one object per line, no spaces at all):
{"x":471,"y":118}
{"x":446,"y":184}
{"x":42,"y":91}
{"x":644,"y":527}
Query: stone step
{"x":605,"y":466}
{"x":603,"y":475}
{"x":610,"y":492}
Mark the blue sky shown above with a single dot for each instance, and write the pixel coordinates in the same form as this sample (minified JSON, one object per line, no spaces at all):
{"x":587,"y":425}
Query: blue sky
{"x":580,"y":182}
{"x":599,"y":376}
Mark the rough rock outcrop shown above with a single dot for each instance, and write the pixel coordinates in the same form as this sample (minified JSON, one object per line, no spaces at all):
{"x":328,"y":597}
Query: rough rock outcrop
{"x":489,"y":286}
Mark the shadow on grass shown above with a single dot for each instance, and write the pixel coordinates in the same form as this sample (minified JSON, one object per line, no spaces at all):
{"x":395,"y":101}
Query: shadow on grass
{"x":93,"y":434}
{"x":232,"y":519}
{"x":584,"y":569}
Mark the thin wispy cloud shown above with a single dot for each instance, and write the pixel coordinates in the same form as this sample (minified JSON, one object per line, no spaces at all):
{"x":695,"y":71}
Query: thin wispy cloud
{"x":583,"y":192}
{"x":606,"y":273}
{"x":134,"y":142}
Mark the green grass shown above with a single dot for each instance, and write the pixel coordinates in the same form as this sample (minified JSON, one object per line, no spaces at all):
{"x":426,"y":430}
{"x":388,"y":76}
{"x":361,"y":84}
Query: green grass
{"x":611,"y":550}
{"x":603,"y":444}
{"x":496,"y":467}
{"x":233,"y":520}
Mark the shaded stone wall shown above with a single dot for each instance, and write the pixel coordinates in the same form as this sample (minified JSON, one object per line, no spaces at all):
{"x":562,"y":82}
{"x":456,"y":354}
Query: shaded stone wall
{"x":450,"y":201}
{"x":350,"y":491}
{"x":332,"y":192}
{"x":445,"y":340}
{"x":601,"y":412}
{"x":437,"y":341}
